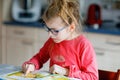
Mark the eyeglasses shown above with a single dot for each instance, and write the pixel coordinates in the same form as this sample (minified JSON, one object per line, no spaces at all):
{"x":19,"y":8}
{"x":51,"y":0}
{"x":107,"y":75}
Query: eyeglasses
{"x":53,"y":31}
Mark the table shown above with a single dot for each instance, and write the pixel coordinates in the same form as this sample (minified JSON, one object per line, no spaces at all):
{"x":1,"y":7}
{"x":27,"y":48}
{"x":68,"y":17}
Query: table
{"x":5,"y":69}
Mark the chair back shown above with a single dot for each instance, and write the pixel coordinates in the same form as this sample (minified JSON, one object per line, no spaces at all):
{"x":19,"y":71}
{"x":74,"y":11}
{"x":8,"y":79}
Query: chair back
{"x":109,"y":75}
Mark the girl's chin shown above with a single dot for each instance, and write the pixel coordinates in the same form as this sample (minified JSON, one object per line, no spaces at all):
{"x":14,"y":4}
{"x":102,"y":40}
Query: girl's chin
{"x":57,"y":41}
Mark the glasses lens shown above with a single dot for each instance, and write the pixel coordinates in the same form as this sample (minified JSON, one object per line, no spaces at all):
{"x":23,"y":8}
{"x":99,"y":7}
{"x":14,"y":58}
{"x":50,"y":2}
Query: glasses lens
{"x":54,"y":32}
{"x":46,"y":28}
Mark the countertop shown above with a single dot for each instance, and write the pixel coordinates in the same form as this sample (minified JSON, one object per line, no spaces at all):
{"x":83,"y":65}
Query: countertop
{"x":104,"y":29}
{"x":33,"y":24}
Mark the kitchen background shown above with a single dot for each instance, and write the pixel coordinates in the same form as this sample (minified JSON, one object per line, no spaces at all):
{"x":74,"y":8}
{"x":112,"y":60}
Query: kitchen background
{"x":22,"y":35}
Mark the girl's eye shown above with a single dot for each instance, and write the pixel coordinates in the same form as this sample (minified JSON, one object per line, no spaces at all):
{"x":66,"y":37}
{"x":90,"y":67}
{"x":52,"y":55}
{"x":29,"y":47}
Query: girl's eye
{"x":56,"y":31}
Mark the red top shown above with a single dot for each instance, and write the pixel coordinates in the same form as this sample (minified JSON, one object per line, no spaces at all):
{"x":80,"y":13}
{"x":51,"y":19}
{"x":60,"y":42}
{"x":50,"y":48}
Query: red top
{"x":77,"y":55}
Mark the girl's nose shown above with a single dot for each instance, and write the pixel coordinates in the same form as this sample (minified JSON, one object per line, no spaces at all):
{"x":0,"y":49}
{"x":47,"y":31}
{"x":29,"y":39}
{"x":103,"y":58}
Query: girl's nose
{"x":50,"y":34}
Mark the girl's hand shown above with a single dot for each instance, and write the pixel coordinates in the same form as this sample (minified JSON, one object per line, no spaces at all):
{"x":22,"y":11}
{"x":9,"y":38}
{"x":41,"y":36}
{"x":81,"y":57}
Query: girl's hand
{"x":56,"y":69}
{"x":27,"y":68}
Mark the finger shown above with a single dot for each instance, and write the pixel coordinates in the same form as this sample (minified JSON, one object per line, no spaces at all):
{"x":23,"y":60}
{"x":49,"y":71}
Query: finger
{"x":27,"y":70}
{"x":54,"y":72}
{"x":51,"y":69}
{"x":24,"y":68}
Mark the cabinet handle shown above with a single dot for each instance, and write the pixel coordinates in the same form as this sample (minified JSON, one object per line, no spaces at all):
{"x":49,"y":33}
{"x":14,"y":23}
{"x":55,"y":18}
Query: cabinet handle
{"x":19,"y":32}
{"x":100,"y":53}
{"x":27,"y":42}
{"x":113,"y":43}
{"x":100,"y":49}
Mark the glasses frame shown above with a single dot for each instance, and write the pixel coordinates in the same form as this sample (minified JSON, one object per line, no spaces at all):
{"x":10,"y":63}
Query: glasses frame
{"x":54,"y":32}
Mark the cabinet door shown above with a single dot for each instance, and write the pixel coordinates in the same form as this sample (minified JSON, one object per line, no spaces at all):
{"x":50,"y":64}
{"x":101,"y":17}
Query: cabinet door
{"x":101,"y":59}
{"x":107,"y":49}
{"x":20,"y":32}
{"x":41,"y":38}
{"x":19,"y":50}
{"x":42,"y":35}
{"x":108,"y":60}
{"x":0,"y":50}
{"x":0,"y":32}
{"x":113,"y":60}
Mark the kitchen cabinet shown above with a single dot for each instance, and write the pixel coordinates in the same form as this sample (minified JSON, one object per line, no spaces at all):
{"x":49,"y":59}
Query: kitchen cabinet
{"x":3,"y":45}
{"x":0,"y":50}
{"x":22,"y":43}
{"x":0,"y":31}
{"x":19,"y":44}
{"x":18,"y":51}
{"x":41,"y":38}
{"x":2,"y":35}
{"x":108,"y":60}
{"x":107,"y":48}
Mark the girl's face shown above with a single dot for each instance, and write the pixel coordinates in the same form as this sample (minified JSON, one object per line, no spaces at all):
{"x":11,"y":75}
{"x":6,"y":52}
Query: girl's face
{"x":57,"y":30}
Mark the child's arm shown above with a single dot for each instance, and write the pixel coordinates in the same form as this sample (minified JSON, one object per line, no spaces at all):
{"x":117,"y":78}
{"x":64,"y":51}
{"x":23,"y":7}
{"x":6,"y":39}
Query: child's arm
{"x":88,"y":67}
{"x":40,"y":58}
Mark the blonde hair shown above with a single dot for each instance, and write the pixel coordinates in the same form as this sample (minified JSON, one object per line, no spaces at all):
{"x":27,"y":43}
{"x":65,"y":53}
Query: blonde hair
{"x":68,"y":10}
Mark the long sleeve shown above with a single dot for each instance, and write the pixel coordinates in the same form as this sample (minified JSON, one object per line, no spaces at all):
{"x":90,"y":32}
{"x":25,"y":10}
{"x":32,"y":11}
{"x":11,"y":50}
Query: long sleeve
{"x":77,"y":55}
{"x":87,"y":63}
{"x":41,"y":57}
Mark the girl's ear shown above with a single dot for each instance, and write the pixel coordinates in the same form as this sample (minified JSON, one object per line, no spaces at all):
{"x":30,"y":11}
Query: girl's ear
{"x":72,"y":27}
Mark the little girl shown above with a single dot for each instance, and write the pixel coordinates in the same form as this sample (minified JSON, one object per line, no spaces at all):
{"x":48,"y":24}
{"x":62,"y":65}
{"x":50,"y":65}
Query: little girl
{"x":70,"y":53}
